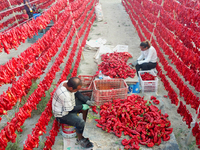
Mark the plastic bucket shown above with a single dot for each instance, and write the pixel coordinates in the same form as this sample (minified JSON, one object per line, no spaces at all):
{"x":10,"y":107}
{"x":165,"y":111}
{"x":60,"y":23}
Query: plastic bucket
{"x":134,"y":88}
{"x":68,"y":131}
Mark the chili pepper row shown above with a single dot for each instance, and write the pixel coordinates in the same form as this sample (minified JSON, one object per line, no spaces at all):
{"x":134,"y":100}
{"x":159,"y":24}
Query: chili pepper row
{"x":52,"y":134}
{"x":189,"y":97}
{"x":196,"y":133}
{"x":19,"y":87}
{"x":30,"y":138}
{"x":12,"y":38}
{"x":185,"y":15}
{"x":179,"y":48}
{"x":115,"y":66}
{"x":188,"y":117}
{"x":194,"y":56}
{"x":191,"y":30}
{"x":171,"y":93}
{"x":185,"y":92}
{"x":5,"y":4}
{"x":183,"y":111}
{"x":19,"y":17}
{"x":147,"y":76}
{"x":16,"y":66}
{"x":51,"y":138}
{"x":136,"y":117}
{"x":190,"y":75}
{"x":41,"y":126}
{"x":33,"y":100}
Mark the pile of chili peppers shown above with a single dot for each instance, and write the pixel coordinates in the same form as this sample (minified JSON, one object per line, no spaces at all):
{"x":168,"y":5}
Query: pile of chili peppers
{"x":115,"y":66}
{"x":136,"y":117}
{"x":147,"y":76}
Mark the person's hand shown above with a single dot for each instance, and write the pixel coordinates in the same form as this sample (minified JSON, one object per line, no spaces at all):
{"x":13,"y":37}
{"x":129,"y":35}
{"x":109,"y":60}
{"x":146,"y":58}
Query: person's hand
{"x":130,"y":65}
{"x":90,"y":103}
{"x":85,"y":107}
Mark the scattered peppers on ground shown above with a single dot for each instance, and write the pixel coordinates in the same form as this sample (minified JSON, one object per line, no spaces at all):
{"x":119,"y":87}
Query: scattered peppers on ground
{"x":135,"y":117}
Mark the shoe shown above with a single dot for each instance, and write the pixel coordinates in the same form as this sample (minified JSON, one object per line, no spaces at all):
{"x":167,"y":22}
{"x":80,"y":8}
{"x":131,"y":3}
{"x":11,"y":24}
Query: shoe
{"x":85,"y":143}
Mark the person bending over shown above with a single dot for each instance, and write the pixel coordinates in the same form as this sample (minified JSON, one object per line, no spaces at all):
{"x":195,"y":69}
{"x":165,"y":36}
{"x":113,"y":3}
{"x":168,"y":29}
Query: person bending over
{"x":67,"y":103}
{"x":147,"y":59}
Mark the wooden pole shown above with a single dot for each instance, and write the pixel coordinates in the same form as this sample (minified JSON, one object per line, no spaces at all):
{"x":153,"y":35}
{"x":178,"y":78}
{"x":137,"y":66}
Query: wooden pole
{"x":13,"y":12}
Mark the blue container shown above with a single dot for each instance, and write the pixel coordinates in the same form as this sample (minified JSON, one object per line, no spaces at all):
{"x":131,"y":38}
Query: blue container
{"x":36,"y":15}
{"x":134,"y":88}
{"x":36,"y":37}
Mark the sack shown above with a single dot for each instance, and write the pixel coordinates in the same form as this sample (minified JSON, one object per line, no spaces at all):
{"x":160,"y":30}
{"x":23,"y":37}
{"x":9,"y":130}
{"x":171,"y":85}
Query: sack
{"x":99,"y":12}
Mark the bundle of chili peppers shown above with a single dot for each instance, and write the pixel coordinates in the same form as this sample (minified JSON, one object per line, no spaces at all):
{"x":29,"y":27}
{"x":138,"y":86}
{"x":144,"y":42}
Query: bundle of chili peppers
{"x":136,"y":117}
{"x":196,"y":133}
{"x":187,"y":117}
{"x":147,"y":76}
{"x":114,"y":65}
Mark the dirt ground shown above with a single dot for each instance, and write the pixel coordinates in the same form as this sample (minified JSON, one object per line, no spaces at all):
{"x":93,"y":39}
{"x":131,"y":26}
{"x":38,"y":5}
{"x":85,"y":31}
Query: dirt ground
{"x":117,"y":29}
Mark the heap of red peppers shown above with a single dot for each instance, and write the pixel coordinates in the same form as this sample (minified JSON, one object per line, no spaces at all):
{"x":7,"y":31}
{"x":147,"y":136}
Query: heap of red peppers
{"x":147,"y":76}
{"x":136,"y":117}
{"x":115,"y":65}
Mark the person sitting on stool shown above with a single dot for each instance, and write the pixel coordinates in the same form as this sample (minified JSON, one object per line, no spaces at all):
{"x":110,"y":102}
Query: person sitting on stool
{"x":65,"y":107}
{"x":147,"y":59}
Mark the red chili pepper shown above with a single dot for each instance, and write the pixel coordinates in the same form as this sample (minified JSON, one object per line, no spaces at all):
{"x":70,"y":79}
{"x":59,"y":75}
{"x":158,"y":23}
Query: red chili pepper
{"x":94,"y":109}
{"x":156,"y":101}
{"x":151,"y":144}
{"x":168,"y":130}
{"x":166,"y":137}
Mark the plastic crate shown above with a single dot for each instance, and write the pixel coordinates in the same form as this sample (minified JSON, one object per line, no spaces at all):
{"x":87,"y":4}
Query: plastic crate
{"x":107,"y":90}
{"x":149,"y":85}
{"x":87,"y":83}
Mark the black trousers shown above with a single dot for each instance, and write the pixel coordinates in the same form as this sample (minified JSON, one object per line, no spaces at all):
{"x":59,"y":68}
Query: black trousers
{"x":30,"y":14}
{"x":145,"y":66}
